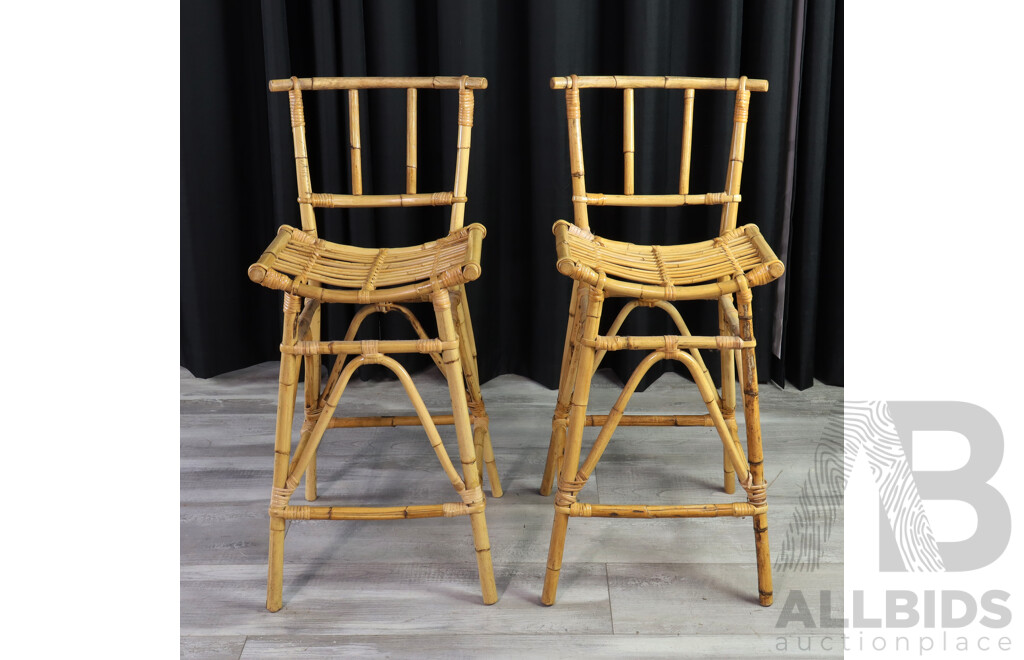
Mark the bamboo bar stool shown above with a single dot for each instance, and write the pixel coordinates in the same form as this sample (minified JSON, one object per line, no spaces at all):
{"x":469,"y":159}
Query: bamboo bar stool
{"x":655,"y":276}
{"x":312,"y":271}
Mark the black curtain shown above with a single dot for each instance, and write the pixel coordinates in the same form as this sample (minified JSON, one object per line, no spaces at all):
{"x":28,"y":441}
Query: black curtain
{"x":238,"y":179}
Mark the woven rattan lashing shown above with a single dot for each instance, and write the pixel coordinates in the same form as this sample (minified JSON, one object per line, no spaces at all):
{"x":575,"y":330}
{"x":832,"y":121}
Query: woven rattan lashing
{"x":655,"y":276}
{"x":312,"y":272}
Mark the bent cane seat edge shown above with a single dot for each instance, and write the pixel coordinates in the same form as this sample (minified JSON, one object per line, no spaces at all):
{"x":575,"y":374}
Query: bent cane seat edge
{"x":312,"y":267}
{"x":666,"y":272}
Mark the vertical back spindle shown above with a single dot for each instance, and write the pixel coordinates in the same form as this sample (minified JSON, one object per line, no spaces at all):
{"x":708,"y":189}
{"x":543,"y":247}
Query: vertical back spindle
{"x":628,"y":144}
{"x":684,"y":159}
{"x":305,"y":187}
{"x":579,"y":186}
{"x":353,"y":142}
{"x":410,"y":140}
{"x":466,"y":106}
{"x":735,"y":172}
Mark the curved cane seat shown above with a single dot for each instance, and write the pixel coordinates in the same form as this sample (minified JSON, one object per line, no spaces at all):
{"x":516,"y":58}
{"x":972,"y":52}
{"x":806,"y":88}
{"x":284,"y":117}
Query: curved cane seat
{"x":367,"y":275}
{"x":666,"y":272}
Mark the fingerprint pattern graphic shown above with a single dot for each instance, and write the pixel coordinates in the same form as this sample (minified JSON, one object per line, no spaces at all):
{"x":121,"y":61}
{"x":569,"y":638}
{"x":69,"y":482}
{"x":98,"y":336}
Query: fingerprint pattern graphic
{"x":821,"y":501}
{"x":863,"y":427}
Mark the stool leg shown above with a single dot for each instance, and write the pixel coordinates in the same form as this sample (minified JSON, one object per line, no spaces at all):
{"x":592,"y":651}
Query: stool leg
{"x":755,"y":455}
{"x":566,"y":379}
{"x":728,"y":401}
{"x":471,"y":371}
{"x":464,"y":434}
{"x":573,"y":444}
{"x":287,"y":387}
{"x":312,"y":395}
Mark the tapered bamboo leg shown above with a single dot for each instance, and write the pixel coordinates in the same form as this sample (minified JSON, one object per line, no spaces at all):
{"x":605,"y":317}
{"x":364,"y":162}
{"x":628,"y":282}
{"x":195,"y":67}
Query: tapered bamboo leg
{"x":728,"y":400}
{"x":567,"y":377}
{"x":287,"y":388}
{"x":755,"y":455}
{"x":312,"y":396}
{"x":464,"y":434}
{"x":481,"y":423}
{"x":567,"y":485}
{"x":311,"y":481}
{"x":478,"y":449}
{"x":491,"y":465}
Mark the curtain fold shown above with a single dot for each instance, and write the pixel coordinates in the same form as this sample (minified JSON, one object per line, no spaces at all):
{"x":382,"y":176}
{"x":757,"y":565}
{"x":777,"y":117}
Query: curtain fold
{"x":238,"y":178}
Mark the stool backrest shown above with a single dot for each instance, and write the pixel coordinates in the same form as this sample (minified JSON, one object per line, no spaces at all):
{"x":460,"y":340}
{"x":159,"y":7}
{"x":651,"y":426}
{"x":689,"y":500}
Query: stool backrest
{"x":308,"y":200}
{"x":729,"y":198}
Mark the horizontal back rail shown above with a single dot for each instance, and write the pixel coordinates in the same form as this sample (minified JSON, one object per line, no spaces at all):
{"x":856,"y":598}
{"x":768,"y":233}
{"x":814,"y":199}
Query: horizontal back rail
{"x":657,"y":82}
{"x":333,"y":201}
{"x":708,"y":199}
{"x":436,"y":82}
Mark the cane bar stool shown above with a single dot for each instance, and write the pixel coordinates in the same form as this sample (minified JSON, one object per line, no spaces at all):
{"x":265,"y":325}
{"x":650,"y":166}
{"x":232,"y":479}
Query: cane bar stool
{"x":312,"y":271}
{"x":656,"y":276}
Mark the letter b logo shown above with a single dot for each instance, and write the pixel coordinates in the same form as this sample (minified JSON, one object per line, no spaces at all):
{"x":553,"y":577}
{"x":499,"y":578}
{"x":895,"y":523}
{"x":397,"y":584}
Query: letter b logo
{"x":968,"y":484}
{"x":883,"y":431}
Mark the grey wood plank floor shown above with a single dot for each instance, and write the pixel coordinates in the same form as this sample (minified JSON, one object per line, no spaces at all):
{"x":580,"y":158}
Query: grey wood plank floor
{"x":629,"y":588}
